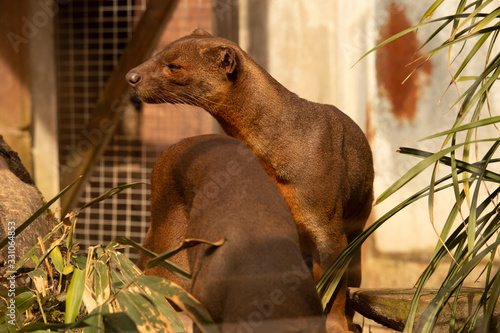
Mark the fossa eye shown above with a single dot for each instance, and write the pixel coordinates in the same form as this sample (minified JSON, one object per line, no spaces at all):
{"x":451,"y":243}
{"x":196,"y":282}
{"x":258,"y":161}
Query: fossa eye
{"x":173,"y":68}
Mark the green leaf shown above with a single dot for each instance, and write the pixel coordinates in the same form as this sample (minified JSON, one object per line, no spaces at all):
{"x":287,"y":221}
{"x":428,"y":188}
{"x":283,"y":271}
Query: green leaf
{"x":119,"y":322}
{"x":75,"y":294}
{"x":471,"y":125}
{"x":165,"y":308}
{"x":476,"y":168}
{"x":429,"y":317}
{"x":484,"y":22}
{"x":329,"y":280}
{"x":175,"y":269}
{"x":421,"y":166}
{"x":101,"y":281}
{"x":187,"y":243}
{"x":430,"y":11}
{"x":475,"y":13}
{"x":182,"y":299}
{"x":128,"y":269}
{"x":68,"y":269}
{"x":57,"y":259}
{"x":492,"y":303}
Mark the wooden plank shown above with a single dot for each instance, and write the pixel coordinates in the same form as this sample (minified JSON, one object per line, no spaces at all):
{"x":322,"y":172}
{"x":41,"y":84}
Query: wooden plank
{"x":109,"y":109}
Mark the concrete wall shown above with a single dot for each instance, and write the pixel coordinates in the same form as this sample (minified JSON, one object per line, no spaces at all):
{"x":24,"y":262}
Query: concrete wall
{"x":311,"y":47}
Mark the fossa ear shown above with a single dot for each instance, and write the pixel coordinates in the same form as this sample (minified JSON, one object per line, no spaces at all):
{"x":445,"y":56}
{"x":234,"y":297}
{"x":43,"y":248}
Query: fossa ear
{"x":200,"y":32}
{"x":228,"y":60}
{"x":223,"y":56}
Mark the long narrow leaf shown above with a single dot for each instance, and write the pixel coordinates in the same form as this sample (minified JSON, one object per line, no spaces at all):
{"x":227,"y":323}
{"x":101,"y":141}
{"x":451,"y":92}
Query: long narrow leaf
{"x":183,"y":300}
{"x":471,"y":125}
{"x":475,"y":13}
{"x":492,"y":303}
{"x":484,"y":22}
{"x":170,"y":266}
{"x":74,"y":297}
{"x":420,"y":167}
{"x":329,"y":280}
{"x":429,"y":317}
{"x":187,"y":243}
{"x":430,"y":11}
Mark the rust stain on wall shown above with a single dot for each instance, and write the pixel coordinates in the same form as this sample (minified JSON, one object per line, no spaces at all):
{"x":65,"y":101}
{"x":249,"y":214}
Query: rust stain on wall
{"x":392,"y":65}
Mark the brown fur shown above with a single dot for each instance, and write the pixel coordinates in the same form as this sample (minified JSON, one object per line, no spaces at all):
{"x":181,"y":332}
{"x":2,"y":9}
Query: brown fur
{"x":318,"y":157}
{"x":212,"y":187}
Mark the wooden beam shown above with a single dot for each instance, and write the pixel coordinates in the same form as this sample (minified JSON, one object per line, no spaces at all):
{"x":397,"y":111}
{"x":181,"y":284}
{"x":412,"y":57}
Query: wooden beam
{"x":109,"y":109}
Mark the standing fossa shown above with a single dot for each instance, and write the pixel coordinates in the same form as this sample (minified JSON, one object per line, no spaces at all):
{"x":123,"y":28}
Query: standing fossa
{"x":212,"y":187}
{"x":318,"y":157}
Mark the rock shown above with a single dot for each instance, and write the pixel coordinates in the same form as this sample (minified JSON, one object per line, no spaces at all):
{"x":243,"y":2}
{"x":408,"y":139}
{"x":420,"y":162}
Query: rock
{"x":19,"y":199}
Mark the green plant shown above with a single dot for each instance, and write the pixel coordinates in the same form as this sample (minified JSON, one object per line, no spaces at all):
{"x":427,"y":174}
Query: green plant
{"x":470,"y":233}
{"x":97,"y":291}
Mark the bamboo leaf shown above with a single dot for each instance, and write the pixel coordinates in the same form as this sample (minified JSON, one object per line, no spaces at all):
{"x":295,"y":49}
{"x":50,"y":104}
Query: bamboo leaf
{"x":456,"y":240}
{"x":128,"y":269}
{"x":175,"y":269}
{"x":471,"y":125}
{"x":472,"y":53}
{"x":430,"y":11}
{"x":393,"y":38}
{"x":39,"y":278}
{"x":492,"y":303}
{"x":74,"y":297}
{"x":187,"y":243}
{"x":329,"y":280}
{"x":183,"y":300}
{"x":484,"y":22}
{"x":118,"y":322}
{"x":101,"y":282}
{"x":429,"y":317}
{"x":472,"y":213}
{"x":475,"y":13}
{"x":165,"y":309}
{"x":476,"y":168}
{"x":57,"y":259}
{"x":421,"y":166}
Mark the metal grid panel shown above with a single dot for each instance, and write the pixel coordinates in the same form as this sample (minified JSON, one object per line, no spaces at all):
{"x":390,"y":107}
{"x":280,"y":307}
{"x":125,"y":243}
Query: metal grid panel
{"x":90,"y":38}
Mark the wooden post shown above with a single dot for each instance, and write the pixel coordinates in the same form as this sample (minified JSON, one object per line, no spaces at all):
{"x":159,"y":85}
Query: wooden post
{"x":109,"y":109}
{"x":226,"y":19}
{"x":44,"y":102}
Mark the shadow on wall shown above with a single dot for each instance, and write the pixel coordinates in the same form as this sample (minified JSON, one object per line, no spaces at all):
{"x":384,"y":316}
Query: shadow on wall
{"x":257,"y":26}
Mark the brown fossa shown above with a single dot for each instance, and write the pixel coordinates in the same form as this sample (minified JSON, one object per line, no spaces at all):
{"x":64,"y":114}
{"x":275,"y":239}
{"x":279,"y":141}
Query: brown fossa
{"x":318,"y":157}
{"x":212,"y":187}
